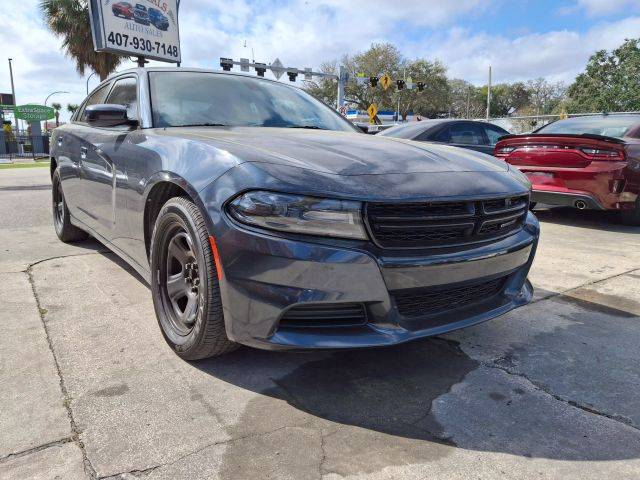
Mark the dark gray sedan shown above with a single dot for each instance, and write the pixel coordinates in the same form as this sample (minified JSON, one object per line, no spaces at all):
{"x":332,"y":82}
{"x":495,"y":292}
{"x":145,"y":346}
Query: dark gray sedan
{"x":260,"y":216}
{"x":471,"y":134}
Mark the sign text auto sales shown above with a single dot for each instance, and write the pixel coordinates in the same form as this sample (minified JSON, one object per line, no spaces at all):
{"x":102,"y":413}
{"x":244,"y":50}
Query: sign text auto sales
{"x":146,"y":28}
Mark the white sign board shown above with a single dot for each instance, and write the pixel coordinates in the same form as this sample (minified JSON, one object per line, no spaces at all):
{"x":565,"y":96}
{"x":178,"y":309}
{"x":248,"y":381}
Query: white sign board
{"x":146,"y":28}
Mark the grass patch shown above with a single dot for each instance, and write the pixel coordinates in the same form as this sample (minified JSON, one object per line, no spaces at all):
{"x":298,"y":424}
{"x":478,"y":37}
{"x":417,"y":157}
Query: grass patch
{"x":6,"y":166}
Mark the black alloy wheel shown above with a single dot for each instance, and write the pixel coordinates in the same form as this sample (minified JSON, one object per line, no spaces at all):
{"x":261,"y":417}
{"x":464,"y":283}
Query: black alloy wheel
{"x":185,"y":287}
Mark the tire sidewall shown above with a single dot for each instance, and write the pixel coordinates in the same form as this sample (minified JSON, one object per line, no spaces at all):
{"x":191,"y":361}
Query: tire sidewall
{"x":170,"y":213}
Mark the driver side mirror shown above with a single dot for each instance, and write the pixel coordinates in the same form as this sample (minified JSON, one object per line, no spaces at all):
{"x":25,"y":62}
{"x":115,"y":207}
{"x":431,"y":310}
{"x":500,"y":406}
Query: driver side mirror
{"x":107,"y":115}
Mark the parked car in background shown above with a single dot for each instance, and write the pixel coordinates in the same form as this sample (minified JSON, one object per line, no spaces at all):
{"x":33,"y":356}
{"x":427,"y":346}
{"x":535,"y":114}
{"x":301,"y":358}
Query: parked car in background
{"x":141,"y":14}
{"x":260,"y":216}
{"x":584,"y":162}
{"x":123,"y":9}
{"x":471,"y":134}
{"x":158,"y":19}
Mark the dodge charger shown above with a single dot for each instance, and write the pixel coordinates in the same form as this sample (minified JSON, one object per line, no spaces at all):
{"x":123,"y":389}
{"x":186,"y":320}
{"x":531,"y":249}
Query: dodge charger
{"x":260,"y":216}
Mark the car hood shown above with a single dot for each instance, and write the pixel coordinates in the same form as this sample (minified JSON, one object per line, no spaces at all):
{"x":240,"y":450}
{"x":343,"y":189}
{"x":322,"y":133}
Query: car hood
{"x":338,"y":153}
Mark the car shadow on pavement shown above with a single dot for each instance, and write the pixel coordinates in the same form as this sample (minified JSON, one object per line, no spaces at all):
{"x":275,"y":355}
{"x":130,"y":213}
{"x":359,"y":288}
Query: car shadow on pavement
{"x":595,"y":219}
{"x":419,"y":398}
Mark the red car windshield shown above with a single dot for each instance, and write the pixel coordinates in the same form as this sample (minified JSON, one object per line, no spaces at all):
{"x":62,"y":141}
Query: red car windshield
{"x":608,"y":126}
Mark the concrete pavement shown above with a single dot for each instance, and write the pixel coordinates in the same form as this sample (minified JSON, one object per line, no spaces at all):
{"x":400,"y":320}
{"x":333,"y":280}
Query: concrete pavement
{"x":91,"y":390}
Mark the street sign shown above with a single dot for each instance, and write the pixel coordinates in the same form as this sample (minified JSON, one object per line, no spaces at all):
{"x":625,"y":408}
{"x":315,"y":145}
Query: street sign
{"x":277,"y":68}
{"x":244,"y":64}
{"x":372,"y":111}
{"x":34,"y":113}
{"x":6,"y":99}
{"x":386,"y":81}
{"x":145,"y":28}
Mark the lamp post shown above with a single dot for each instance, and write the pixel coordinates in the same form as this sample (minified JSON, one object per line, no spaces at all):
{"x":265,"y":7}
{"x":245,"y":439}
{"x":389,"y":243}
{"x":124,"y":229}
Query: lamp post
{"x":46,"y":122}
{"x":92,"y":74}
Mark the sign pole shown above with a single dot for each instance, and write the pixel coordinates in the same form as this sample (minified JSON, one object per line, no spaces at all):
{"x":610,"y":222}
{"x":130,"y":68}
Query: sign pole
{"x":13,"y":92}
{"x":141,"y":62}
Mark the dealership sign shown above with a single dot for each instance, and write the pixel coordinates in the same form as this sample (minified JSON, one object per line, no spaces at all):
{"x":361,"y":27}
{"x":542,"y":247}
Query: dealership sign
{"x":34,"y":113}
{"x":143,"y":28}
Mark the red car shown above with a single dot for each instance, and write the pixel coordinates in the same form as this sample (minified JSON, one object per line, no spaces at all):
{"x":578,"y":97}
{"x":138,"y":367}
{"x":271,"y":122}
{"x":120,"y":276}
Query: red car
{"x":123,"y":9}
{"x":584,"y":162}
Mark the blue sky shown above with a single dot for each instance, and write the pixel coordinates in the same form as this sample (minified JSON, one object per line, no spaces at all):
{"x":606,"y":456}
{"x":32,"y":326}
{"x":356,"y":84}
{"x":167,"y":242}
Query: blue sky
{"x":521,"y":39}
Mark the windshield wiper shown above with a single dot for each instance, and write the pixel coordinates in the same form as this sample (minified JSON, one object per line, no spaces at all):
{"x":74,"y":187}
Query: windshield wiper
{"x":203,"y":125}
{"x":310,"y":127}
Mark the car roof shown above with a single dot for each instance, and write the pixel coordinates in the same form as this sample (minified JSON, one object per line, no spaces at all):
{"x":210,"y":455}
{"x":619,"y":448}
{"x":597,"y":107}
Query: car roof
{"x":410,"y":130}
{"x":145,"y":70}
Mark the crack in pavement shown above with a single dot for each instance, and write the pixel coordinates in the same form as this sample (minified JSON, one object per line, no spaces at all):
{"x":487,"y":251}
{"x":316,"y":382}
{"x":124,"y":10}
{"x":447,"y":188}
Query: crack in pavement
{"x":200,"y":449}
{"x":88,"y":467}
{"x":38,"y":448}
{"x":537,"y":386}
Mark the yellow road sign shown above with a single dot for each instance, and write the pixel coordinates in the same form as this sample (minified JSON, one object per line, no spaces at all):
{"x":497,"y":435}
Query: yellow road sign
{"x":372,"y":111}
{"x":386,"y":81}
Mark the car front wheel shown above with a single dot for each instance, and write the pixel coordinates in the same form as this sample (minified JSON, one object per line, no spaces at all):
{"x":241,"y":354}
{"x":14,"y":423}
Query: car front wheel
{"x":185,"y":288}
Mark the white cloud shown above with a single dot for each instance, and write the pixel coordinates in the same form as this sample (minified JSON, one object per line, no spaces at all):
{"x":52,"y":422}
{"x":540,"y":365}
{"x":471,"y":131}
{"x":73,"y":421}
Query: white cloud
{"x":607,"y":7}
{"x":308,"y":32}
{"x":557,"y":55}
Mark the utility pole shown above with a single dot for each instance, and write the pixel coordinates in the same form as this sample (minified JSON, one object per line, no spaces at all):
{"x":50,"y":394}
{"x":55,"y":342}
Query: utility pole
{"x":468,"y":101}
{"x":13,"y":92}
{"x":489,"y":94}
{"x":341,"y":83}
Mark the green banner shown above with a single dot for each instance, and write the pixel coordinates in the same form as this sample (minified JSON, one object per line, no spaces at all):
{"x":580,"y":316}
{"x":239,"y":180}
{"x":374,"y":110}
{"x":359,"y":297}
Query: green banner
{"x":33,"y":113}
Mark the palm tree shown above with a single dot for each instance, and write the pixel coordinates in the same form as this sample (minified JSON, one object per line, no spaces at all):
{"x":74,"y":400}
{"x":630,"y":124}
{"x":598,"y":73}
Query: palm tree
{"x":69,"y":19}
{"x":72,"y":107}
{"x":56,"y":108}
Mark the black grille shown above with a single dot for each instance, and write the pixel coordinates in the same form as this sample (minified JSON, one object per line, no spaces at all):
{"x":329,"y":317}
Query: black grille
{"x":325,"y":315}
{"x":434,"y":224}
{"x":426,"y":301}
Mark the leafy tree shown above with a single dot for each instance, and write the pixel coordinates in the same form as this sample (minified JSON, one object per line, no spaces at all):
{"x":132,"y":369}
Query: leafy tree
{"x":69,"y":19}
{"x":386,"y":58}
{"x":56,"y":108}
{"x":609,"y":82}
{"x":465,"y":99}
{"x":72,"y":107}
{"x":545,"y":97}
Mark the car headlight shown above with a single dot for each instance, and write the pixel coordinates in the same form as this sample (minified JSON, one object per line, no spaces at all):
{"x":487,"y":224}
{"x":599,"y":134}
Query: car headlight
{"x":300,"y":214}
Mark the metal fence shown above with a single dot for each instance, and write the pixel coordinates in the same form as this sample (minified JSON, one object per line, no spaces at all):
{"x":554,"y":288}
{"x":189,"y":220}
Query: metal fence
{"x":526,"y":124}
{"x":23,"y":146}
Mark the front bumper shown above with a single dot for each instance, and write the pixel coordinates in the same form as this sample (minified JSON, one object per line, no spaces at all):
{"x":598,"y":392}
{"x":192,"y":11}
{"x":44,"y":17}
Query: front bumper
{"x":265,"y":274}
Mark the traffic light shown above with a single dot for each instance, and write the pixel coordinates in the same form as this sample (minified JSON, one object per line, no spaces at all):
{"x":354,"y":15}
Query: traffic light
{"x":261,"y":68}
{"x":292,"y":75}
{"x":420,"y":86}
{"x":400,"y":84}
{"x":226,"y":64}
{"x":373,"y":81}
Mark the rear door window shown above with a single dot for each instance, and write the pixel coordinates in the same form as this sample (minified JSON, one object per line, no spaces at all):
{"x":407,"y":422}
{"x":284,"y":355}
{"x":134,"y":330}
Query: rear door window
{"x":465,"y":133}
{"x":494,"y":134}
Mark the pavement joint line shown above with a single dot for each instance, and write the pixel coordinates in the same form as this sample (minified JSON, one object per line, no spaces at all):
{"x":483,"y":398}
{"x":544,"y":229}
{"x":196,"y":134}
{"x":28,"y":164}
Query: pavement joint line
{"x":38,"y":448}
{"x":75,"y":432}
{"x":584,"y":285}
{"x":58,"y":257}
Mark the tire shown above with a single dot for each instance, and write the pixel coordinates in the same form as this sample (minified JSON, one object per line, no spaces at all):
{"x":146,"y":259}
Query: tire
{"x":632,"y":217}
{"x":66,"y":232}
{"x":185,"y":288}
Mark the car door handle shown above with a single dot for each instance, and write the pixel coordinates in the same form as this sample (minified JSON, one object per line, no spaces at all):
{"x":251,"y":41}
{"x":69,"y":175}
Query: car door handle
{"x":83,"y":153}
{"x":60,"y":141}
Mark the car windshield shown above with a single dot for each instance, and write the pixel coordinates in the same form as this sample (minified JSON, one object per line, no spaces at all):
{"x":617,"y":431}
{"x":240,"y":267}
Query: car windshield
{"x":211,"y":99}
{"x":609,"y":126}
